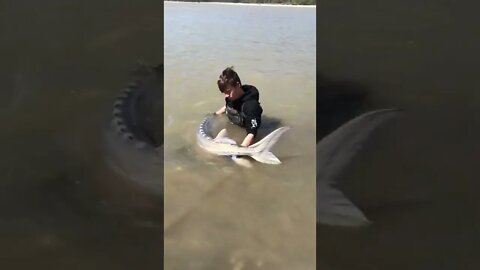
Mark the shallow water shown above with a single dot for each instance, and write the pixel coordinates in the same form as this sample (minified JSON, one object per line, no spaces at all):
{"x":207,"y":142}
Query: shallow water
{"x":416,"y":179}
{"x":62,"y":205}
{"x":219,"y":215}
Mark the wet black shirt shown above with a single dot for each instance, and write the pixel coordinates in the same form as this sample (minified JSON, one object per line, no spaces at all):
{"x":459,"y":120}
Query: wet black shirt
{"x":246,"y":110}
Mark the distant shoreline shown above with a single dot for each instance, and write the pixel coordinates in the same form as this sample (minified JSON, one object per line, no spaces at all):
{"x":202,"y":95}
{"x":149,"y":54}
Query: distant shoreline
{"x":244,"y":4}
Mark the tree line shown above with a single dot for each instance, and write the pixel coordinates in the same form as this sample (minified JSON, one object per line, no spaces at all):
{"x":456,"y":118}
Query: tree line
{"x":291,"y":2}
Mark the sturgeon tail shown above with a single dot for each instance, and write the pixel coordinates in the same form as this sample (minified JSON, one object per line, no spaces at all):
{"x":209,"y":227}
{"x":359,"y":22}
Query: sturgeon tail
{"x":334,"y":152}
{"x":264,"y":145}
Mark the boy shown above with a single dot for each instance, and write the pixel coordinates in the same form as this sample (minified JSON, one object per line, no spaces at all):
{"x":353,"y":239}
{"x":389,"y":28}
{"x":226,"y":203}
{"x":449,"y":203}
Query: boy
{"x":241,"y":104}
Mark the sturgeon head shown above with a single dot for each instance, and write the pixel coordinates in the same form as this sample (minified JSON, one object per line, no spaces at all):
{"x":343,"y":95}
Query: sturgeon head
{"x":224,"y":146}
{"x":334,"y":152}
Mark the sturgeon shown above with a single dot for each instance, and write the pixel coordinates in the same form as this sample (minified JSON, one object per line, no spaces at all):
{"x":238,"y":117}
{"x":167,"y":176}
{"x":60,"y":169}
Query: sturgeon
{"x":334,"y":152}
{"x":224,"y":146}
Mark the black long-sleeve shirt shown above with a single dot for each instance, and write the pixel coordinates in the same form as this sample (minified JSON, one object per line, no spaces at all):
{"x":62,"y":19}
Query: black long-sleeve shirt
{"x":248,"y":109}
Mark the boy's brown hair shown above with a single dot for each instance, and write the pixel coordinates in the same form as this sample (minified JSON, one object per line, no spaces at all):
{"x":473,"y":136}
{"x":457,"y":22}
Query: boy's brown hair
{"x":228,"y":78}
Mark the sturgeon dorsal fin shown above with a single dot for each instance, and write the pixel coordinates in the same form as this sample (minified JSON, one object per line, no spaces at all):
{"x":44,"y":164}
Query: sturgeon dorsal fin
{"x":221,"y":134}
{"x":222,"y":138}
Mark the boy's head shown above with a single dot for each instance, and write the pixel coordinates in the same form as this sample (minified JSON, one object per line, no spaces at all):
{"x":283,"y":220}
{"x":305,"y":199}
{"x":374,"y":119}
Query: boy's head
{"x":228,"y":80}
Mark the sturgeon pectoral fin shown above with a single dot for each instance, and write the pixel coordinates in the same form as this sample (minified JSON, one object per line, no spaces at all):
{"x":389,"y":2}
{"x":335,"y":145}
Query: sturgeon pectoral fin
{"x":242,"y":162}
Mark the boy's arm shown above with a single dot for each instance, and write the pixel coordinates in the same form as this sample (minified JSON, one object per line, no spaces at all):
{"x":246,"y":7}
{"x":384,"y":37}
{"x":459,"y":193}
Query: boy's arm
{"x":253,"y":119}
{"x":248,"y":140}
